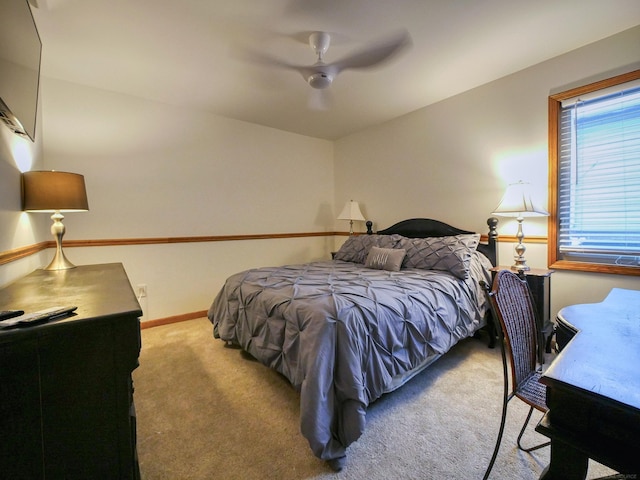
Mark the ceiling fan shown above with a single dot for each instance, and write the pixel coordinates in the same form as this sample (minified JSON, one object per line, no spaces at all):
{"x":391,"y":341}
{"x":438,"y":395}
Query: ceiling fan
{"x":321,"y":75}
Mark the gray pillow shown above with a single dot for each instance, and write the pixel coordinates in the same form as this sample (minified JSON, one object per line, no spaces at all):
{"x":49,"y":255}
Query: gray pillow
{"x":450,"y":254}
{"x":357,"y":247}
{"x":385,"y":259}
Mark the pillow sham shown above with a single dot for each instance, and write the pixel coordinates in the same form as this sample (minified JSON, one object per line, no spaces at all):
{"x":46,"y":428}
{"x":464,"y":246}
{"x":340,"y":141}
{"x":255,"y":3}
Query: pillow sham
{"x":389,"y":259}
{"x":450,"y":254}
{"x":357,"y":247}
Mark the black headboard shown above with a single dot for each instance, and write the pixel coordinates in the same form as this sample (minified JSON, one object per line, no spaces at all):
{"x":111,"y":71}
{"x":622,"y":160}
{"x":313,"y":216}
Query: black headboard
{"x":426,"y":227}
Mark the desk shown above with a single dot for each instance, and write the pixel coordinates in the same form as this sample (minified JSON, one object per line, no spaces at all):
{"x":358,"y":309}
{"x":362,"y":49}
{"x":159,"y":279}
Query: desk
{"x":593,"y":389}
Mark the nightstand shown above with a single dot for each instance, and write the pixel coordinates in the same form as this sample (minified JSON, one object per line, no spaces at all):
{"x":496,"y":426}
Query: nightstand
{"x":539,"y":281}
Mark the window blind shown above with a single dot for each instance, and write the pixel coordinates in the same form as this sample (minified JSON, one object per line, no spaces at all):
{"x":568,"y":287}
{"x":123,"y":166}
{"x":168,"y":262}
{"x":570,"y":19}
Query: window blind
{"x":599,"y":179}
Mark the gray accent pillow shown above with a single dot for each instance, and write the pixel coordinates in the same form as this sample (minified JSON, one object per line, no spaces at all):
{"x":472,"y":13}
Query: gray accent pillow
{"x":357,"y":247}
{"x":450,"y":254}
{"x":385,"y":259}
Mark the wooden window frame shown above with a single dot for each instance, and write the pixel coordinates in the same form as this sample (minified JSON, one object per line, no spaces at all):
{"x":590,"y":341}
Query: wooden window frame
{"x":555,"y":105}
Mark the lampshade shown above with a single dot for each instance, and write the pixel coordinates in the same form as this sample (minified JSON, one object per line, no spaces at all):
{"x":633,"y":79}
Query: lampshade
{"x":351,"y":211}
{"x":517,"y":202}
{"x":50,"y":191}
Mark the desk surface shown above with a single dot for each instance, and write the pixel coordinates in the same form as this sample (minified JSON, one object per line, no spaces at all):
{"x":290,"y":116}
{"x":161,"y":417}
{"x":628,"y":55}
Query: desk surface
{"x":603,"y":359}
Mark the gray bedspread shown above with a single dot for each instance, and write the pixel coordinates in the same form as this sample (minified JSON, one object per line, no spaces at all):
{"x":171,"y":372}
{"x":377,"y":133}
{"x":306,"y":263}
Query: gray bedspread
{"x":343,"y":334}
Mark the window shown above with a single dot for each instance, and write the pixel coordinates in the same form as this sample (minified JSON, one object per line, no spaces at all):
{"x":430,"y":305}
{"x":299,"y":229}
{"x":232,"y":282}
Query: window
{"x":594,"y":153}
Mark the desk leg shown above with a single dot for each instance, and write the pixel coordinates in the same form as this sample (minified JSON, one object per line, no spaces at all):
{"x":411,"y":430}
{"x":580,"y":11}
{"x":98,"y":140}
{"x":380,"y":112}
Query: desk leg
{"x":567,"y":463}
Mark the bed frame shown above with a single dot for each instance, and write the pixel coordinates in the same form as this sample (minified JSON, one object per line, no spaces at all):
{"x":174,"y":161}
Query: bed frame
{"x":426,"y":227}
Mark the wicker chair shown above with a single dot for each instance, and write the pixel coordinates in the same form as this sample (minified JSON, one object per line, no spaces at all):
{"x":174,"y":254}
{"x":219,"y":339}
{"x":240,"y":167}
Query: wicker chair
{"x":513,"y":309}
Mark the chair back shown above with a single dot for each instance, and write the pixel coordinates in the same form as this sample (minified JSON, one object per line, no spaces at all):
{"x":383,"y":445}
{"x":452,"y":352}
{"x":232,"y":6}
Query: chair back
{"x":511,"y":303}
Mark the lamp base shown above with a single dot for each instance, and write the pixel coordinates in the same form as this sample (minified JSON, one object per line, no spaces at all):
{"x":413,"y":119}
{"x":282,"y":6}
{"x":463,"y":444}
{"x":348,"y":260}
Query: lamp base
{"x":520,"y":265}
{"x":518,"y":257}
{"x":59,"y":262}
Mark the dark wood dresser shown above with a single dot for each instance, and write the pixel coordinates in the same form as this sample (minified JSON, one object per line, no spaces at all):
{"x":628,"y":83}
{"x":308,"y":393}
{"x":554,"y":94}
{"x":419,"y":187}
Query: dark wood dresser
{"x":66,"y":394}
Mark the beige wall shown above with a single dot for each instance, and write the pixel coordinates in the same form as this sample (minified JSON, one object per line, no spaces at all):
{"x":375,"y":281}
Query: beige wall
{"x":452,"y":160}
{"x":156,"y":170}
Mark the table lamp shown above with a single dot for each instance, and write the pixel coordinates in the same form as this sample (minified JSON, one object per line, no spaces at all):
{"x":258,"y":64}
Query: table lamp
{"x":50,"y":191}
{"x":517,"y":202}
{"x":351,"y":212}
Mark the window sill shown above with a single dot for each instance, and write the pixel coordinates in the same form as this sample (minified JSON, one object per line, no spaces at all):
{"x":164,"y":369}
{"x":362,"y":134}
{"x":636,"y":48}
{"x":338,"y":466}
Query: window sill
{"x":595,"y":267}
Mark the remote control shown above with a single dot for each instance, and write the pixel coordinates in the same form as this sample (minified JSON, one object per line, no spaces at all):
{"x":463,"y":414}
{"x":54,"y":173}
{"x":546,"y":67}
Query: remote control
{"x":6,"y":314}
{"x":38,"y":317}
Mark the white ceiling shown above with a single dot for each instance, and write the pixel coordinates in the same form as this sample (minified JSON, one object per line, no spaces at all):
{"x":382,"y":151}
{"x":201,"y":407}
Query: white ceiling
{"x":186,"y":52}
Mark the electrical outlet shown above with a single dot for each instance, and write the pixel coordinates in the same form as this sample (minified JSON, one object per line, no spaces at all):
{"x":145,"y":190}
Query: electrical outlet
{"x":142,"y":291}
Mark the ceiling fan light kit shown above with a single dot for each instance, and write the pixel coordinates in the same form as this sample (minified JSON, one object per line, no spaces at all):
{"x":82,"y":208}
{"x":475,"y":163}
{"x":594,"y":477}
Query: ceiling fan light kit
{"x":320,"y":80}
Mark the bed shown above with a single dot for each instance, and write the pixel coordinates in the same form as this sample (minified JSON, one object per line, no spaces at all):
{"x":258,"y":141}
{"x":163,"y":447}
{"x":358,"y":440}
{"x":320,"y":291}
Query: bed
{"x":348,"y":330}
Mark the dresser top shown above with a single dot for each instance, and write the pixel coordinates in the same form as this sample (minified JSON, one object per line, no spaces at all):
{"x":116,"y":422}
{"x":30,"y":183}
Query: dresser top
{"x":99,"y":291}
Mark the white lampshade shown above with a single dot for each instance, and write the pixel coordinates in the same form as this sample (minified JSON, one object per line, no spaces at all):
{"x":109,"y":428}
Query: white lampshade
{"x":517,"y":202}
{"x":351,"y":211}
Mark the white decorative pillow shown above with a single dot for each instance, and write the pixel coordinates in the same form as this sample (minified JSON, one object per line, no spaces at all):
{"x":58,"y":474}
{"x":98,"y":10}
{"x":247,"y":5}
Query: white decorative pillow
{"x":357,"y":247}
{"x":449,"y":254}
{"x":385,"y":259}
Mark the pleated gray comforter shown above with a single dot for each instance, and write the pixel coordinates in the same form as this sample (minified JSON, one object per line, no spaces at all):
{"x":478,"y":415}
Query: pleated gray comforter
{"x":344,"y":334}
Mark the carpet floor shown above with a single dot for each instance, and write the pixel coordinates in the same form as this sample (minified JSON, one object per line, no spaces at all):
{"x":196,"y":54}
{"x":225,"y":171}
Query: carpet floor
{"x":209,"y":412}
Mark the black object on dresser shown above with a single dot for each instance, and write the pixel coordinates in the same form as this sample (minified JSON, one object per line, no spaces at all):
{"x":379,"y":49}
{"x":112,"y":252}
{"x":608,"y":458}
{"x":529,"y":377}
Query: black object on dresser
{"x":66,"y":394}
{"x":539,"y":281}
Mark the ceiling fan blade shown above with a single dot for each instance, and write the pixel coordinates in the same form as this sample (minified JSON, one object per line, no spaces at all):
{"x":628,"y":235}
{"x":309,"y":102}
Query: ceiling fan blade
{"x":374,"y":55}
{"x":263,"y":60}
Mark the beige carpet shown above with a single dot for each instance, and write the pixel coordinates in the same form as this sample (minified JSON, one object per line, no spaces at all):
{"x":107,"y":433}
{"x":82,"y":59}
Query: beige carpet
{"x":208,"y":412}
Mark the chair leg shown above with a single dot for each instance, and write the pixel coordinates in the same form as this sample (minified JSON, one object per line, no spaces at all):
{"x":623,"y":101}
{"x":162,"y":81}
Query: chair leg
{"x":503,"y":421}
{"x":524,"y":427}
